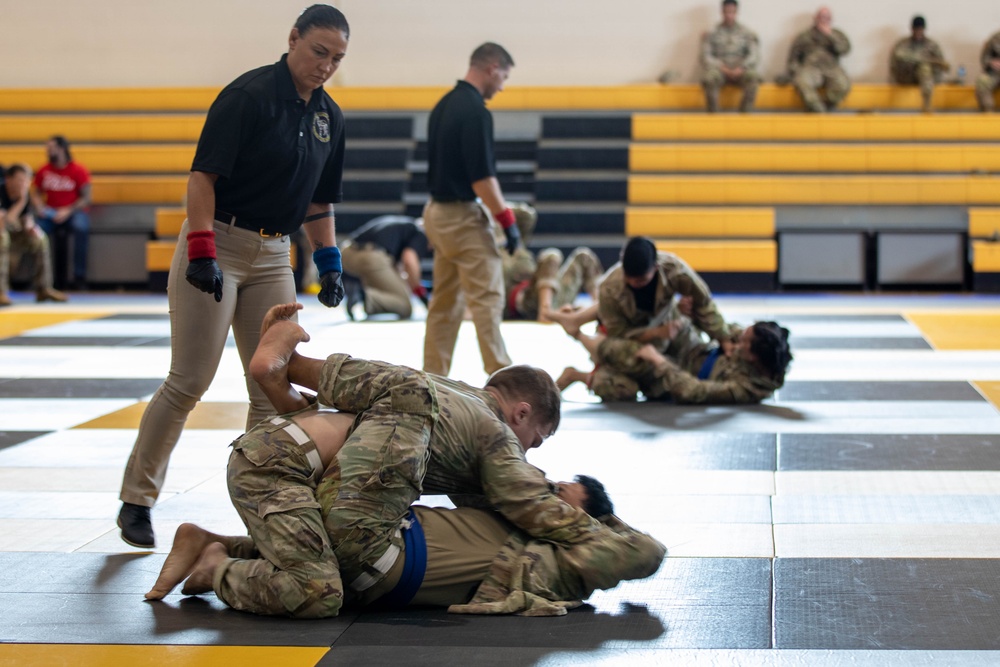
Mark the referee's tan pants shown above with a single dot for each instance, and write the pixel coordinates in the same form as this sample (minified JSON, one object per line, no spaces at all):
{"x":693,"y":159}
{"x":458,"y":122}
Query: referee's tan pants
{"x":385,"y":289}
{"x":467,"y":268}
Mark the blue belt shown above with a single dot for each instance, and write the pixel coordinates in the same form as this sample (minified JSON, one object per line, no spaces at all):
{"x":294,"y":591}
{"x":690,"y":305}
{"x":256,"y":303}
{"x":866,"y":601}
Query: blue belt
{"x":414,"y":567}
{"x":709,"y":364}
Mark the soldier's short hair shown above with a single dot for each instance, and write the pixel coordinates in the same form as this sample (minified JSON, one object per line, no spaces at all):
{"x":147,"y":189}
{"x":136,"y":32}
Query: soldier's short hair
{"x":598,"y":503}
{"x":730,"y":2}
{"x":17,"y":168}
{"x":489,"y":53}
{"x":918,"y":22}
{"x":533,"y":386}
{"x":638,"y":257}
{"x":770,"y":346}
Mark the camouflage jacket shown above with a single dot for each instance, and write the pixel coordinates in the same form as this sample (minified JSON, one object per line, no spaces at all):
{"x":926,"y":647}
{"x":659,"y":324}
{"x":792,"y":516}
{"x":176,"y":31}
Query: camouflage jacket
{"x":991,"y":51}
{"x":472,"y":450}
{"x":622,"y":319}
{"x":517,"y":268}
{"x":732,"y":46}
{"x":908,"y":53}
{"x":813,"y":48}
{"x":535,"y":578}
{"x":732,"y":380}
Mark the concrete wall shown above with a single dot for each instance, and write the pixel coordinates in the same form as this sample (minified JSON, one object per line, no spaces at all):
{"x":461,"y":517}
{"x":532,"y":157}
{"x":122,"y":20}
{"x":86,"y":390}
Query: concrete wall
{"x":118,"y":43}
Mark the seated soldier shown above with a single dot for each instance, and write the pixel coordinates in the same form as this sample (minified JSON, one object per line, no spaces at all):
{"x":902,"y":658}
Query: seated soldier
{"x":917,"y":60}
{"x":989,"y":80}
{"x":384,"y":256}
{"x":814,"y":63}
{"x":413,"y":433}
{"x":729,"y":55}
{"x":21,"y":237}
{"x":747,"y":368}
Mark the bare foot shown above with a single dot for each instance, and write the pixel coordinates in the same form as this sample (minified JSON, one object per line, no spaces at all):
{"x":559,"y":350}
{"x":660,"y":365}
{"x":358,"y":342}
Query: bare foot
{"x":284,"y":311}
{"x":189,"y":541}
{"x":200,"y":581}
{"x":269,"y":365}
{"x":569,"y":376}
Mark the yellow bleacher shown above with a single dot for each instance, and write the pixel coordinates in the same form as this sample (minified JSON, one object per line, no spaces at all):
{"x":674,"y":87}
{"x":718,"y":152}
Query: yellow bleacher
{"x":830,"y":189}
{"x":984,"y":239}
{"x":111,"y":159}
{"x":813,"y":157}
{"x":635,"y":97}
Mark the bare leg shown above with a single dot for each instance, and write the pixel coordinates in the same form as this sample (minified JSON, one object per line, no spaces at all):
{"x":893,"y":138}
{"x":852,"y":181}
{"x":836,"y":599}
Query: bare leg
{"x":571,"y":320}
{"x":571,"y":375}
{"x":269,"y":365}
{"x":189,"y":541}
{"x":200,"y":581}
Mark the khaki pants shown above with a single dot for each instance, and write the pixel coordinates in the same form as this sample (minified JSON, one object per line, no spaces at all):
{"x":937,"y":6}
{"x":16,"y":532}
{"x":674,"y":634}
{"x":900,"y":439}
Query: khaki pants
{"x":385,"y":289}
{"x":467,"y":267}
{"x":809,"y":79}
{"x":256,"y":275}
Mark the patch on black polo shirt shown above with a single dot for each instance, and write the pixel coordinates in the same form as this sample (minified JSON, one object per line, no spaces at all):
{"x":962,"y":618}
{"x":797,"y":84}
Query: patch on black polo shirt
{"x":321,"y":126}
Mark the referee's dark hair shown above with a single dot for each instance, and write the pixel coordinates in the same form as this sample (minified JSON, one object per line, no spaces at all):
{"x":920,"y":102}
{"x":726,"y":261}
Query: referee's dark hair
{"x":490,"y":53}
{"x":63,"y":143}
{"x":322,"y":16}
{"x":598,"y":503}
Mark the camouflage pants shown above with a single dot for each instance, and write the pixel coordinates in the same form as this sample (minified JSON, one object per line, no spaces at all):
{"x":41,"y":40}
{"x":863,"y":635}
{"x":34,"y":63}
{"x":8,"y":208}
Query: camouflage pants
{"x":383,"y":460}
{"x":713,"y":80}
{"x":809,"y":79}
{"x":620,"y":375}
{"x":924,"y":75}
{"x":986,"y":83}
{"x":578,"y":274}
{"x":32,"y":244}
{"x":272,"y":484}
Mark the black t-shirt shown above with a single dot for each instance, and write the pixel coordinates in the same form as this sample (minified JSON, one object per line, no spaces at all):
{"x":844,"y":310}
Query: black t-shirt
{"x":274,"y":153}
{"x":459,"y":144}
{"x":645,"y":297}
{"x":393,"y":233}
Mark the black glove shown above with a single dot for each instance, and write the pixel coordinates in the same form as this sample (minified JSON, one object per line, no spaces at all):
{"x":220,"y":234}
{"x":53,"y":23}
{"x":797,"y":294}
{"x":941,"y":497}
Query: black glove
{"x":331,"y":290}
{"x":205,"y":274}
{"x":513,"y":239}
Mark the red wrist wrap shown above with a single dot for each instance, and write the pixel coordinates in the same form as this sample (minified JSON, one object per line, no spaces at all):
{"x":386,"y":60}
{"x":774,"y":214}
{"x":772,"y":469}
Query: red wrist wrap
{"x":505,"y":218}
{"x":201,"y":245}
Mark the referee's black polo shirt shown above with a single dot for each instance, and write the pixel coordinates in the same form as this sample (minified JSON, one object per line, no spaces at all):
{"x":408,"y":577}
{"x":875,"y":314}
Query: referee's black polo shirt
{"x":274,"y":153}
{"x":394,"y":234}
{"x":459,"y":144}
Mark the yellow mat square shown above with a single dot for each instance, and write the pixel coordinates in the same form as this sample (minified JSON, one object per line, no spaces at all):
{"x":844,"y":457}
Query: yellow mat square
{"x":15,"y":322}
{"x":991,"y":390}
{"x":205,"y":415}
{"x":98,"y":655}
{"x":959,"y":331}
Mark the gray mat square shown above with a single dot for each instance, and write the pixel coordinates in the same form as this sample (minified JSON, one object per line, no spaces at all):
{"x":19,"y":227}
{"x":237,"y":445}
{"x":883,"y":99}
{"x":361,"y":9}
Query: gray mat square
{"x":903,"y":604}
{"x":878,"y":391}
{"x":79,"y":387}
{"x":883,"y":451}
{"x":12,"y":438}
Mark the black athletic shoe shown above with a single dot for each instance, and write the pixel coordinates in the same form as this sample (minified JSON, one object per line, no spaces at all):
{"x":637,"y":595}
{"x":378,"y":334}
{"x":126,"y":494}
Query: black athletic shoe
{"x":354,"y":294}
{"x":137,"y":527}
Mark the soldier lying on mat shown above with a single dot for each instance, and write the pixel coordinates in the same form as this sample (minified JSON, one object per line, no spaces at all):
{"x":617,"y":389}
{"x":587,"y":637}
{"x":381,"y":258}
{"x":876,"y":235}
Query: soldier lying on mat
{"x":412,"y":433}
{"x":746,"y":368}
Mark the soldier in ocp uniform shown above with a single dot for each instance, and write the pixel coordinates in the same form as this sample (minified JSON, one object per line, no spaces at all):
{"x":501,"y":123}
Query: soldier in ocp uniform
{"x":918,"y":60}
{"x":729,"y":55}
{"x":274,"y":470}
{"x":814,"y":63}
{"x":989,"y":80}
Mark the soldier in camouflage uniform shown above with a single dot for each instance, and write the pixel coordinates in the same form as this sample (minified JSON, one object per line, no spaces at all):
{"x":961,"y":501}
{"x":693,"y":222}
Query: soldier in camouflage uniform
{"x":416,"y":433}
{"x":554,"y":284}
{"x":918,"y":60}
{"x":746,"y":368}
{"x":814,"y":62}
{"x":989,"y":80}
{"x":729,"y":55}
{"x":637,"y":303}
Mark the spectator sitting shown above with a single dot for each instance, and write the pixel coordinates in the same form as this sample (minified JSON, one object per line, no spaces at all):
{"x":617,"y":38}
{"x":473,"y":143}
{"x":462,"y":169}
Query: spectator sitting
{"x":62,"y":197}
